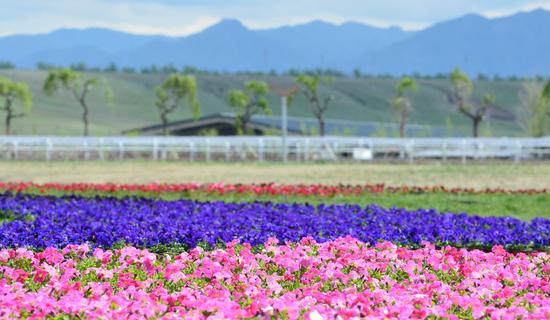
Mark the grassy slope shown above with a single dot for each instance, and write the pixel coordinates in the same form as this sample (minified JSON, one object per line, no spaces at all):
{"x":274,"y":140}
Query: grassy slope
{"x":363,"y":99}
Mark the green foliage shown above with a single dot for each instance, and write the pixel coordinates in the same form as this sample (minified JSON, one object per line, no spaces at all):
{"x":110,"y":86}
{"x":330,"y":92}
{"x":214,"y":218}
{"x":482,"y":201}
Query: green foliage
{"x":67,"y":78}
{"x":211,"y":132}
{"x":16,"y":90}
{"x":12,"y":92}
{"x":364,"y":99}
{"x":312,"y":82}
{"x":546,"y":90}
{"x":132,"y":133}
{"x":249,"y":102}
{"x":489,"y":99}
{"x":80,"y":66}
{"x":175,"y":88}
{"x":534,"y":110}
{"x":381,"y":132}
{"x":112,"y":67}
{"x":6,"y":65}
{"x":128,"y":70}
{"x":401,"y":103}
{"x":349,"y":132}
{"x":74,"y":81}
{"x":170,"y":94}
{"x":460,"y":95}
{"x":238,"y":98}
{"x":318,"y":104}
{"x":462,"y":84}
{"x":78,"y":85}
{"x":406,"y":83}
{"x":44,"y":66}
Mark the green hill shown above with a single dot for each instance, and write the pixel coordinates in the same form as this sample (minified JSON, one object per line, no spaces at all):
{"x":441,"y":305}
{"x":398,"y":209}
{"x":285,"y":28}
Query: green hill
{"x":364,"y":99}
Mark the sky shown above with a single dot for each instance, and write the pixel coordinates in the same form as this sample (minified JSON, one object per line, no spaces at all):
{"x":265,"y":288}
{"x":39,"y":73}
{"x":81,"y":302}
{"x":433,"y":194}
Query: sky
{"x":183,"y":17}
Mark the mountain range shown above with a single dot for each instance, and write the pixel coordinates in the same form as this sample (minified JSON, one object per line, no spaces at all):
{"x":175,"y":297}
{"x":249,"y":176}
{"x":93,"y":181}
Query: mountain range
{"x":517,"y":45}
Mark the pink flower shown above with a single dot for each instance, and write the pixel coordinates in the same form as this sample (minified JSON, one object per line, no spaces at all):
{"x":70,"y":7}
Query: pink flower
{"x":344,"y":279}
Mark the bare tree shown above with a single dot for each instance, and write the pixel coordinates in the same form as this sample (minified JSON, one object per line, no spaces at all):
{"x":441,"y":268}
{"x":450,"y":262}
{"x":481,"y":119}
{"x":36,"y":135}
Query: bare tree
{"x":319,"y":104}
{"x":460,"y":95}
{"x":79,"y":86}
{"x":401,"y":103}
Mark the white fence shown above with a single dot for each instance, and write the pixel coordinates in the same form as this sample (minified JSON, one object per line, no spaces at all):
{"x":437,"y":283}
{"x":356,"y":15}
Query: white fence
{"x":270,"y":148}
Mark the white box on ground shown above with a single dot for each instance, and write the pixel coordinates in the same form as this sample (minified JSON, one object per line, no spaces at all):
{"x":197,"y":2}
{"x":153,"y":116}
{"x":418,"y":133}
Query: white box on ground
{"x":362,"y":154}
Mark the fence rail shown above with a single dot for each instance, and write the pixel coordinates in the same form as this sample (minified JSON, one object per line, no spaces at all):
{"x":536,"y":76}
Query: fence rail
{"x":271,"y":148}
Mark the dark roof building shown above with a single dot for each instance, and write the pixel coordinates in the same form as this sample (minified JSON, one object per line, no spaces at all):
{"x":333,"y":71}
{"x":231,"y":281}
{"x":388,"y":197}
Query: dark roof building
{"x":223,"y":124}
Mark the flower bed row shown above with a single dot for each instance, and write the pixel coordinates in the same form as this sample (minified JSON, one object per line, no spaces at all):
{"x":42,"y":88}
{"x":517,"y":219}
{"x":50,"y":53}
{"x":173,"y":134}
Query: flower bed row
{"x":43,"y":221}
{"x":341,"y":279}
{"x":258,"y":189}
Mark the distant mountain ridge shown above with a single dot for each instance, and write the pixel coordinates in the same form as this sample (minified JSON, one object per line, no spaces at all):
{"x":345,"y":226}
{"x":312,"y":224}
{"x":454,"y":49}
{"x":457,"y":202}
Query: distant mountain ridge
{"x":514,"y":45}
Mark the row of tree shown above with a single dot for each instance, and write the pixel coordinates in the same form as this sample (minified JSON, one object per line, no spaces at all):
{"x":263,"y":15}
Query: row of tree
{"x":191,"y":70}
{"x":252,"y":100}
{"x":179,"y":89}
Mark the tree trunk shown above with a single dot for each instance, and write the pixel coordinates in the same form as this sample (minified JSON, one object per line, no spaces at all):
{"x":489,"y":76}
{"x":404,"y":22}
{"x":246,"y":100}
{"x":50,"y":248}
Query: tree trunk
{"x":164,"y":120}
{"x":404,"y":117}
{"x":245,"y":126}
{"x":402,"y":127}
{"x":8,"y":117}
{"x":246,"y":119}
{"x":8,"y":123}
{"x":85,"y":119}
{"x":476,"y":127}
{"x":321,"y":126}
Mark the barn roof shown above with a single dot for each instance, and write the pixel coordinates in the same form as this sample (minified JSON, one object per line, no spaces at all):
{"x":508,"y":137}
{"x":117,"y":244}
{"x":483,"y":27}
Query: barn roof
{"x":296,"y":126}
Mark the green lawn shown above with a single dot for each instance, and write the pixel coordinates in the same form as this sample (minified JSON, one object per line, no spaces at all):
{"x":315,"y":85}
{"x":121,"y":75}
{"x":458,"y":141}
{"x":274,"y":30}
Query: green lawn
{"x":524,"y":207}
{"x":473,"y":175}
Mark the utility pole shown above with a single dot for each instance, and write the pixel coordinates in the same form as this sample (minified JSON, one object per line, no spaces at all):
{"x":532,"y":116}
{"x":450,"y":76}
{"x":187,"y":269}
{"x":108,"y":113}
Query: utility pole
{"x":284,"y":93}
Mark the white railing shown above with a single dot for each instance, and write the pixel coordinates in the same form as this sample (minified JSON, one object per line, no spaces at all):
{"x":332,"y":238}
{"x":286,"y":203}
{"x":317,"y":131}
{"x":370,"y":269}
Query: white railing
{"x":270,"y":148}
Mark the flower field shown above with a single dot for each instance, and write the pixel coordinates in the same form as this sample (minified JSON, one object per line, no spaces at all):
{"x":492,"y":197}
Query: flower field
{"x":177,"y":251}
{"x":257,"y":189}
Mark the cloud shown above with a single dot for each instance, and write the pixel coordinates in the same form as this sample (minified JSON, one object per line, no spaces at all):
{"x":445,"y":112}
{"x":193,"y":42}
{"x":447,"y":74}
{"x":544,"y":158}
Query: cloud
{"x":37,"y":16}
{"x":497,"y":13}
{"x":183,"y":17}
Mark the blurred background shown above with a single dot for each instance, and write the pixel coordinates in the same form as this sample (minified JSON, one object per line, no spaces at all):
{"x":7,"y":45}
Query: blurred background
{"x":303,"y":81}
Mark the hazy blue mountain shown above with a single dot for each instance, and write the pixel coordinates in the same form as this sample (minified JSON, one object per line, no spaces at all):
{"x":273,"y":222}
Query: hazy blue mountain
{"x":323,"y":44}
{"x":513,"y":45}
{"x":227,"y":45}
{"x":64,"y":45}
{"x":230,"y":46}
